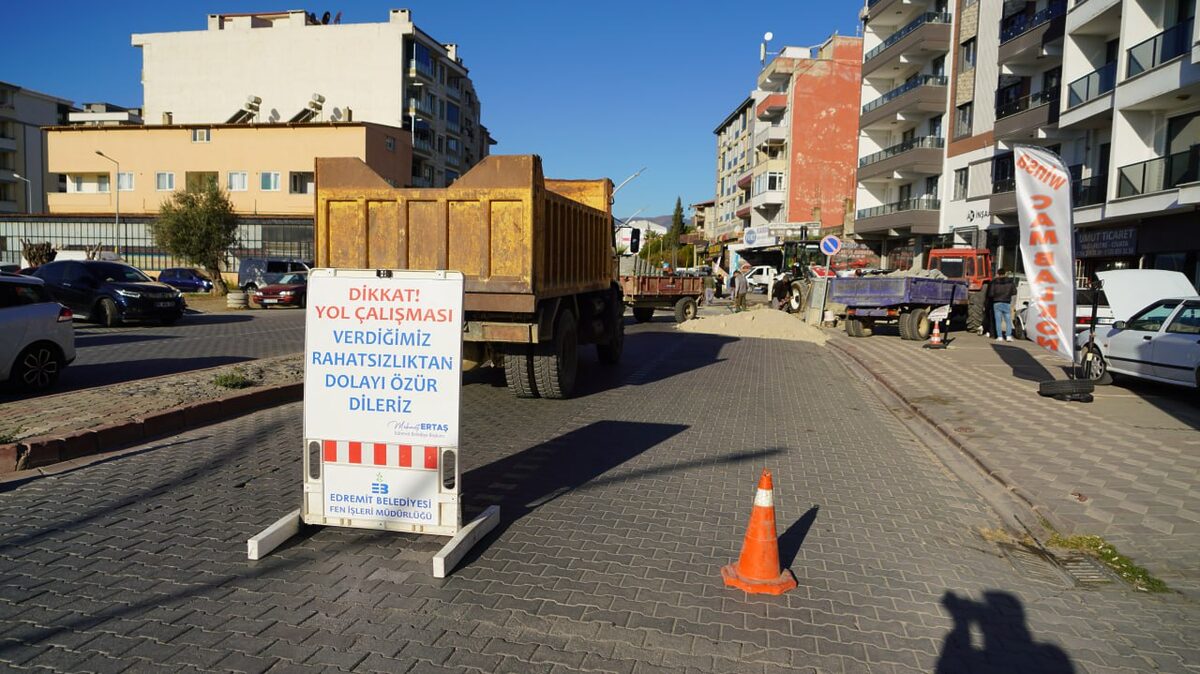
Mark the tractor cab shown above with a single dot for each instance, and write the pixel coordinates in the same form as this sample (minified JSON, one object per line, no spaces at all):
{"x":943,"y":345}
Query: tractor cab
{"x":973,"y":265}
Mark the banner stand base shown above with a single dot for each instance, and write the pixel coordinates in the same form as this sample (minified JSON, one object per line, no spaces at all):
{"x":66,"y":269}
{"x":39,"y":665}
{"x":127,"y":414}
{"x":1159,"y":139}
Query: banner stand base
{"x":456,"y":548}
{"x":273,"y":536}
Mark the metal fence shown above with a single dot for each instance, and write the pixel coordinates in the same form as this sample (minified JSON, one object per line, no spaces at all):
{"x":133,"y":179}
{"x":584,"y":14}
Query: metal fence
{"x":132,"y":238}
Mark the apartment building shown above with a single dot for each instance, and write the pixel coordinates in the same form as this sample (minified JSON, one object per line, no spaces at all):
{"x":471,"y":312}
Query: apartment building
{"x":23,"y":177}
{"x":1113,"y":86}
{"x":279,"y":67}
{"x":266,"y":169}
{"x":735,"y":161}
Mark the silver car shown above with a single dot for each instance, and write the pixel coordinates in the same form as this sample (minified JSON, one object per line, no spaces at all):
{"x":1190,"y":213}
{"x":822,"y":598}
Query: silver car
{"x":37,"y":339}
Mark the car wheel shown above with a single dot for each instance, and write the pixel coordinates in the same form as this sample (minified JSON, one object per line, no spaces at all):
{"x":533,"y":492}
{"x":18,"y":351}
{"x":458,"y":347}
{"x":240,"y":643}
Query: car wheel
{"x":37,"y":367}
{"x":1095,"y":368}
{"x":108,"y":313}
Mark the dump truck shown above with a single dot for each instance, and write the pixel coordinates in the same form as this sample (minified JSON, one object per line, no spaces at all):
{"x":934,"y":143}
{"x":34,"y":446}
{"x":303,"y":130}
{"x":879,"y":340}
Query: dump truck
{"x":537,"y":254}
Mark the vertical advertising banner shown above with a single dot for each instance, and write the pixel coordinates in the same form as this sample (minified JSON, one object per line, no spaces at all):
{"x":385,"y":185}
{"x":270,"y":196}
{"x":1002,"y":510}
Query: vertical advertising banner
{"x":1043,"y":193}
{"x":382,"y":380}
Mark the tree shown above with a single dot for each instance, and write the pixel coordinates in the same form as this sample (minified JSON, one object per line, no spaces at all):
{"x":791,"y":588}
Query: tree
{"x":38,"y":254}
{"x":676,"y":230}
{"x":198,"y":225}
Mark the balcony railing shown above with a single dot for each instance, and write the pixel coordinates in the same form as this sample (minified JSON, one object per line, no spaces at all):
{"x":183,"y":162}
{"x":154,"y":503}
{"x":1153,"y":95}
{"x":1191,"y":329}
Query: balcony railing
{"x":421,"y":106}
{"x":915,"y":204}
{"x":1160,"y":173}
{"x":921,"y":81}
{"x":1172,"y":42}
{"x":1099,"y":81}
{"x":900,"y":148}
{"x":1023,"y":23}
{"x":1089,"y":191}
{"x":1002,"y":185}
{"x":1024,"y":103}
{"x":927,"y":17}
{"x":422,"y":67}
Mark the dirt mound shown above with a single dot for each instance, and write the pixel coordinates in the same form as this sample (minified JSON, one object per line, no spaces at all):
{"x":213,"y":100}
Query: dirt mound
{"x":761,"y":323}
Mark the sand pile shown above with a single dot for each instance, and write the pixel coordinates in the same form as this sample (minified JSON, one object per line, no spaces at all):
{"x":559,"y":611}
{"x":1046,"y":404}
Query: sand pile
{"x":761,"y":323}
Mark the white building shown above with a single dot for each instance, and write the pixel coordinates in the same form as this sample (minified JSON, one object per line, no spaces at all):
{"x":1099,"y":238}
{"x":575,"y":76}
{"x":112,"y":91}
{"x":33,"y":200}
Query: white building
{"x":294,"y":67}
{"x":23,"y":148}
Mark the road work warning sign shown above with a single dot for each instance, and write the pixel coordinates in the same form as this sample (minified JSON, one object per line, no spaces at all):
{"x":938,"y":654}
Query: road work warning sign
{"x":382,"y":382}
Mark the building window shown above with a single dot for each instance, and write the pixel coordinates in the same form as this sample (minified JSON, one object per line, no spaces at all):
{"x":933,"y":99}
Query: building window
{"x":300,"y":182}
{"x":237,"y":181}
{"x":125,"y":182}
{"x":102,"y":182}
{"x":164,"y":181}
{"x":966,"y":55}
{"x":201,"y":135}
{"x":960,"y":184}
{"x":269,"y":181}
{"x":451,"y":176}
{"x":389,"y":143}
{"x":931,"y":186}
{"x":963,"y":117}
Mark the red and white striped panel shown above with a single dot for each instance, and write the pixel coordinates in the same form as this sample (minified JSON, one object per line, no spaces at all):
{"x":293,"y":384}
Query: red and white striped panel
{"x":380,"y":454}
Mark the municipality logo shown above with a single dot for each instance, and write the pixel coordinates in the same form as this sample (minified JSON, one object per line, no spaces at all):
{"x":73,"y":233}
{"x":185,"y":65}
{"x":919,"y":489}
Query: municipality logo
{"x":379,"y":486}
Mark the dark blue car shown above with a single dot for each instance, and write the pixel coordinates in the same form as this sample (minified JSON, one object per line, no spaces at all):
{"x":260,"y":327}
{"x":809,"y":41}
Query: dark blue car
{"x":110,"y":293}
{"x":186,"y":279}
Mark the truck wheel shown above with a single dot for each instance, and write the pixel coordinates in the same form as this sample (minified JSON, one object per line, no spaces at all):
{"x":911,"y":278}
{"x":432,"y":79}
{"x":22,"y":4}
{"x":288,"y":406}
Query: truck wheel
{"x":976,"y":304}
{"x":685,"y":310}
{"x":867,"y":327}
{"x":798,"y":299}
{"x":919,"y":325}
{"x":905,"y":328}
{"x":643,"y":314}
{"x":854,"y":327}
{"x":555,"y":364}
{"x":610,"y":353}
{"x":518,"y":371}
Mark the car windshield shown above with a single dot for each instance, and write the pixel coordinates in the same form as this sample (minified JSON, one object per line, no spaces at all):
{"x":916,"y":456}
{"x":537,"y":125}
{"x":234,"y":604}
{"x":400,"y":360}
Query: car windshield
{"x":291,"y":279}
{"x":116,"y":273}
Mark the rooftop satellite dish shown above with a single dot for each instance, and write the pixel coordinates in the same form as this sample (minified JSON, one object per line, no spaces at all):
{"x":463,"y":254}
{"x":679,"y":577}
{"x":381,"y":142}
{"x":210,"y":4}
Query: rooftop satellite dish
{"x":768,"y":36}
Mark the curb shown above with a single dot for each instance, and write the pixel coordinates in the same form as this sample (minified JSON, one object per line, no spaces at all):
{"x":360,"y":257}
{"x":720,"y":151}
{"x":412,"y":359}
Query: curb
{"x":46,"y":450}
{"x":950,"y":436}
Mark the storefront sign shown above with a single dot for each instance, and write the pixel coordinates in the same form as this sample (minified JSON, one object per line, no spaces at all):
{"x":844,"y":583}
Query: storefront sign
{"x":1120,"y":242}
{"x":1043,"y":193}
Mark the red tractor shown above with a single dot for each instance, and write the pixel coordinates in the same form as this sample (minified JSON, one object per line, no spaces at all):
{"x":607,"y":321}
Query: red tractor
{"x":973,"y":265}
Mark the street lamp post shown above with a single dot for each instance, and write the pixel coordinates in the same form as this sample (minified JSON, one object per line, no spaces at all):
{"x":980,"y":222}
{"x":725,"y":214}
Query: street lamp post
{"x":412,"y":115}
{"x":116,"y":186}
{"x":28,"y":194}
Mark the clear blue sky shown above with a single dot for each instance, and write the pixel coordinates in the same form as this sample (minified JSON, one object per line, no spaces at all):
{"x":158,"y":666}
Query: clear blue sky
{"x":596,"y":88}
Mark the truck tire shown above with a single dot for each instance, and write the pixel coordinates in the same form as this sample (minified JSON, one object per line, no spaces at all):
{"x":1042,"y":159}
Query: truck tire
{"x":798,"y":298}
{"x":976,"y":305}
{"x":610,"y":353}
{"x":643,"y":314}
{"x":685,"y":310}
{"x":905,"y":328}
{"x":518,"y":371}
{"x":919,"y":325}
{"x":556,"y":364}
{"x":855,"y":327}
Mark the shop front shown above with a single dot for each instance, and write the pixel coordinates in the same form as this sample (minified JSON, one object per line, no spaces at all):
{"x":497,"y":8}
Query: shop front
{"x":1104,"y":249}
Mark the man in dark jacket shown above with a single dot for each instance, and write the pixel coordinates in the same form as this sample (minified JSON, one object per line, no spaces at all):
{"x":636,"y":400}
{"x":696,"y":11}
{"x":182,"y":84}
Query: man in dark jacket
{"x":1001,"y":291}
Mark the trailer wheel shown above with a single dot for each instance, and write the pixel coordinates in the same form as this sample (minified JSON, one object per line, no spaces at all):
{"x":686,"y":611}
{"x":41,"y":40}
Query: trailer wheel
{"x":905,"y":329}
{"x":976,"y":305}
{"x":685,"y":310}
{"x":518,"y":371}
{"x":555,"y":364}
{"x":919,"y":325}
{"x":643,"y":314}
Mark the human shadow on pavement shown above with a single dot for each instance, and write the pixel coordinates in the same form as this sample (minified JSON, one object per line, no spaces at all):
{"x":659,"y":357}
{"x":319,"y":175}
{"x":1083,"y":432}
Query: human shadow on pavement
{"x":1023,"y":364}
{"x":793,"y":538}
{"x":1006,"y":644}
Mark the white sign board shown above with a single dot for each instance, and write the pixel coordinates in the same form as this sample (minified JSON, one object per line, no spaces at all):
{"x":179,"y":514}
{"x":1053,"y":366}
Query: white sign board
{"x":382,"y":383}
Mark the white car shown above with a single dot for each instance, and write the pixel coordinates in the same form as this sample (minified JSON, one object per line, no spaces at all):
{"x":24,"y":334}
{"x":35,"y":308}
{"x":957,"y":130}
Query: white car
{"x":37,"y":339}
{"x":1083,"y":310}
{"x":1156,"y":333}
{"x":760,"y":278}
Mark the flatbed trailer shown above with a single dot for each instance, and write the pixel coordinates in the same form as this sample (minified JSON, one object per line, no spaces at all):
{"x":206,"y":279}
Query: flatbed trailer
{"x":645,"y":294}
{"x":906,"y":300}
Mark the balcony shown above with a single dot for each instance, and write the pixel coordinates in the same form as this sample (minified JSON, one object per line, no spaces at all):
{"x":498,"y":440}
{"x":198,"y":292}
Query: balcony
{"x":925,"y":94}
{"x":929,"y":33}
{"x":420,"y":106}
{"x":1028,"y":116}
{"x":423,"y":146}
{"x":1159,"y":174}
{"x":8,"y":144}
{"x":422,"y":68}
{"x":877,"y":9}
{"x":1096,"y":83}
{"x":743,"y":211}
{"x":919,"y":156}
{"x":920,"y":215}
{"x":1003,"y":200}
{"x":771,"y":106}
{"x":1169,"y":44}
{"x":767,"y":199}
{"x":771,"y":136}
{"x":1024,"y":37}
{"x":744,"y":180}
{"x":1094,"y":17}
{"x":1089,"y":191}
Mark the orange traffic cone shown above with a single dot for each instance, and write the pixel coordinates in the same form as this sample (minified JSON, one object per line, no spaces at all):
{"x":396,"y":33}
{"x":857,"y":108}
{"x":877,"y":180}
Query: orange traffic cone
{"x":935,"y":338}
{"x":757,"y":569}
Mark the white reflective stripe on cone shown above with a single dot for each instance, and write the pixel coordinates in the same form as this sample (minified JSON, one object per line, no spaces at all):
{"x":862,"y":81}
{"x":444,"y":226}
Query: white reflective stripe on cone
{"x":764,"y":498}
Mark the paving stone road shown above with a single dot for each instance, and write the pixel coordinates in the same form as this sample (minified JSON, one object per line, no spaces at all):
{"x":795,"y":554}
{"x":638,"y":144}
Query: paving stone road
{"x":618,"y":506}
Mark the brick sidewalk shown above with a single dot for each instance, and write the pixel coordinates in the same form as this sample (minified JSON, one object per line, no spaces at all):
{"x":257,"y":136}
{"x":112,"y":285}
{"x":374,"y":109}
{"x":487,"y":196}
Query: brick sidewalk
{"x":1124,"y":467}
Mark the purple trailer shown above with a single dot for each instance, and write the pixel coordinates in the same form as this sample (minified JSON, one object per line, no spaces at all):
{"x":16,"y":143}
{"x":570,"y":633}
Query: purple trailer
{"x":904,"y":299}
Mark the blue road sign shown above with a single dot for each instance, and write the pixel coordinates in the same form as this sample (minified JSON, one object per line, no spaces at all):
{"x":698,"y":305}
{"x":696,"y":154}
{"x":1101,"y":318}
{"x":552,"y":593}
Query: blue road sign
{"x":830,"y":245}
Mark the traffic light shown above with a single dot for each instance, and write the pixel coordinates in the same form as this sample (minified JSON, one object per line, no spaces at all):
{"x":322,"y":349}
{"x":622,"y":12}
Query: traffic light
{"x":635,"y":239}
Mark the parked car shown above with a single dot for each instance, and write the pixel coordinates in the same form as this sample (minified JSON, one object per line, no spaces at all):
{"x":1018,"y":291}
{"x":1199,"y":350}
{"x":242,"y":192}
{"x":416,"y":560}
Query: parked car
{"x":761,"y":277}
{"x":1156,"y":334}
{"x":256,"y":272}
{"x":1083,"y":311}
{"x":37,"y":339}
{"x":291,"y":290}
{"x":185,"y":279}
{"x":110,"y":292}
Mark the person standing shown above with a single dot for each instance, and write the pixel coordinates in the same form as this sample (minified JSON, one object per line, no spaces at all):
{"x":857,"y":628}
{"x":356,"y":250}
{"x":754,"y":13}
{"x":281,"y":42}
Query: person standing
{"x":740,"y":288}
{"x":1001,"y":292}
